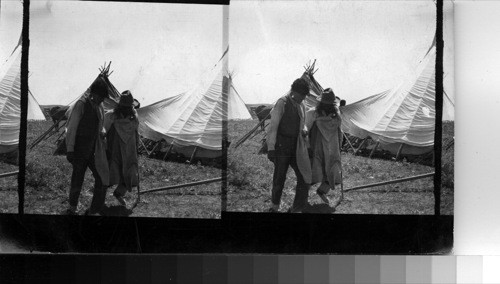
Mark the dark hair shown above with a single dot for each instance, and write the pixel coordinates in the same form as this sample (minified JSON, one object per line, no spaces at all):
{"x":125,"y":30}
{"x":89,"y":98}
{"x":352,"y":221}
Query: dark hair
{"x":124,"y":112}
{"x":326,"y":109}
{"x":300,"y":86}
{"x":99,"y":88}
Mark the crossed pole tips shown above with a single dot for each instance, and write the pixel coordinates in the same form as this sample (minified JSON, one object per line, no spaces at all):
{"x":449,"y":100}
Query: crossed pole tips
{"x":104,"y":70}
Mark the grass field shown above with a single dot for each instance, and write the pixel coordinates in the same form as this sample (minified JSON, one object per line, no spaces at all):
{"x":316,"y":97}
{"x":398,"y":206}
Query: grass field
{"x":8,"y":189}
{"x":48,"y":178}
{"x":250,"y":182}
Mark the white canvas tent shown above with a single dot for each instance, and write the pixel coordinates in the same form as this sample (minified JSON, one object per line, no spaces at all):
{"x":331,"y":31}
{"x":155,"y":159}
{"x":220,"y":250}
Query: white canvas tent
{"x":192,"y":121}
{"x":10,"y":102}
{"x":236,"y":107}
{"x":404,"y":115}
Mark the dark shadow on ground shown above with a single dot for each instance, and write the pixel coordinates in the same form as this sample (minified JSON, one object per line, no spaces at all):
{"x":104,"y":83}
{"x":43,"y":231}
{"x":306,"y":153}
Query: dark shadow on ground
{"x":319,"y":209}
{"x":116,"y":210}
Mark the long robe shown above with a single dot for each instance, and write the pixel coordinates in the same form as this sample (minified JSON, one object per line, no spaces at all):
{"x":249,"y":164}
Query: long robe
{"x":74,"y":114}
{"x":301,"y":152}
{"x":122,"y":149}
{"x":325,"y":141}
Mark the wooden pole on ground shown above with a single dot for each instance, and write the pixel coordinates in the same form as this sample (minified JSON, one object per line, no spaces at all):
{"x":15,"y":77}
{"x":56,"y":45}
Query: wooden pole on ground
{"x":182,"y":185}
{"x":9,"y":174}
{"x":374,"y":148}
{"x":390,"y":182}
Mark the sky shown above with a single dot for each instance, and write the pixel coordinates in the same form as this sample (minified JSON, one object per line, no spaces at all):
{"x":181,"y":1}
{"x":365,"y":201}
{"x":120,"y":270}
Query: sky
{"x":362,"y":47}
{"x":160,"y":50}
{"x":157,"y":50}
{"x":11,"y":21}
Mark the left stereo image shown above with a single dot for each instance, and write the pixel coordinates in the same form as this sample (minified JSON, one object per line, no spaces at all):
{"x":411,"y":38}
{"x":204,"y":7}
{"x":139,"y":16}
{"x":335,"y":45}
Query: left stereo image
{"x":125,"y":112}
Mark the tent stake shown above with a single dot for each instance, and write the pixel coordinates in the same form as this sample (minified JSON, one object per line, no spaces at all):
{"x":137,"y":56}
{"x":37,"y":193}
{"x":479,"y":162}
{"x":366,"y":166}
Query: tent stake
{"x":399,"y":151}
{"x":373,"y":150}
{"x":169,"y":149}
{"x":192,"y":155}
{"x":390,"y":181}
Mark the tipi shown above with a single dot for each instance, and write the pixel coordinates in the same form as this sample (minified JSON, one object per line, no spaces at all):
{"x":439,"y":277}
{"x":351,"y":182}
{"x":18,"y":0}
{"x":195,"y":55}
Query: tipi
{"x":191,"y":123}
{"x":10,"y":102}
{"x":236,"y":107}
{"x":402,"y":119}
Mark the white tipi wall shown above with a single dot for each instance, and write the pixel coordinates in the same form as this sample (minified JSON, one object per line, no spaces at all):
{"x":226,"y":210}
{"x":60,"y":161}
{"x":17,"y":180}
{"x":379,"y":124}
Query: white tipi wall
{"x":194,"y":119}
{"x":10,"y":102}
{"x":403,"y":115}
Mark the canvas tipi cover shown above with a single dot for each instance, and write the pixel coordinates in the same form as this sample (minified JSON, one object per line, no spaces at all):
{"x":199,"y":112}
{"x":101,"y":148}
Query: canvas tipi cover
{"x":10,"y":102}
{"x":403,"y":115}
{"x":191,"y":120}
{"x":236,"y":107}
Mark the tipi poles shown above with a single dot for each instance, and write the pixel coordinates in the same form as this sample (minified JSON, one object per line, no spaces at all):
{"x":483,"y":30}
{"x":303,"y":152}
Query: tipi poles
{"x":154,"y":148}
{"x":257,"y":132}
{"x":349,"y":142}
{"x":41,"y":137}
{"x":144,"y":146}
{"x":57,"y":130}
{"x":246,"y":136}
{"x":360,"y":146}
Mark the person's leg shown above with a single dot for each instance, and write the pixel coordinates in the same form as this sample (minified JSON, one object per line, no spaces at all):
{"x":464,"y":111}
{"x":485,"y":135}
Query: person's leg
{"x":324,"y":187}
{"x":322,"y":190}
{"x":301,"y":190}
{"x":281,"y":164}
{"x":120,"y":190}
{"x":77,"y":177}
{"x":280,"y":169}
{"x":99,"y":196}
{"x":119,"y":193}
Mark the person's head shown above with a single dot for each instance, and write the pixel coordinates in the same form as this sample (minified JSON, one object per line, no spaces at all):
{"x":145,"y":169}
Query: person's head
{"x":342,"y":102}
{"x":98,"y":90}
{"x":326,"y":104}
{"x":125,"y":107}
{"x":300,"y":89}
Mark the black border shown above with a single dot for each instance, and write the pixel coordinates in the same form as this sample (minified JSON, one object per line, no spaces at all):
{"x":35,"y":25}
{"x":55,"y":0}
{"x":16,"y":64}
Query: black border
{"x":235,"y":232}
